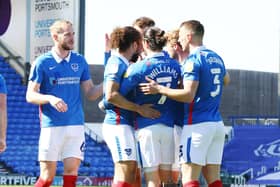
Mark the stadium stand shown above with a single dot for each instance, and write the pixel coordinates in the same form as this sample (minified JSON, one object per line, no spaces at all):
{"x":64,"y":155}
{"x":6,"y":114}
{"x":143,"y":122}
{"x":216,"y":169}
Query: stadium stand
{"x":23,"y":134}
{"x":253,"y":152}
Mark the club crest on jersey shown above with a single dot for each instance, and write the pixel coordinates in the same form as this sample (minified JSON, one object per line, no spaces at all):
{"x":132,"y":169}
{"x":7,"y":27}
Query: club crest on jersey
{"x":189,"y":67}
{"x":128,"y":151}
{"x":75,"y":67}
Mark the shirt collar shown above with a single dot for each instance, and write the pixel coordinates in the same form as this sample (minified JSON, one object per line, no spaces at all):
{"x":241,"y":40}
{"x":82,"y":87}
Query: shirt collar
{"x":194,"y":50}
{"x":58,"y":59}
{"x":122,"y":57}
{"x":155,"y":55}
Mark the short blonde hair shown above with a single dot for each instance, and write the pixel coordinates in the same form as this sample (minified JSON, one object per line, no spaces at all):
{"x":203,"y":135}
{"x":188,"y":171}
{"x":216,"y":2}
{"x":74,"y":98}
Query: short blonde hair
{"x":172,"y":37}
{"x":57,"y":26}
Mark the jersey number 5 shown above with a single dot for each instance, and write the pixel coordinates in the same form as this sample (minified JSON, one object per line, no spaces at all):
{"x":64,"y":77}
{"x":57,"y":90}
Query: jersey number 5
{"x":216,"y":81}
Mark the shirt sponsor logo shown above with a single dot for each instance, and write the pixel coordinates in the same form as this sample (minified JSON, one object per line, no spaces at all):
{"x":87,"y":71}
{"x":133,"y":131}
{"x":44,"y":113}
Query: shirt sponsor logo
{"x":64,"y":80}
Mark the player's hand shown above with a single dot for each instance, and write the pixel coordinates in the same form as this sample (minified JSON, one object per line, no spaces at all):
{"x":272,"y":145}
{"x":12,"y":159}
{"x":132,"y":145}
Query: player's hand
{"x":151,"y":87}
{"x":107,"y":43}
{"x":147,"y":111}
{"x":58,"y":104}
{"x":2,"y":145}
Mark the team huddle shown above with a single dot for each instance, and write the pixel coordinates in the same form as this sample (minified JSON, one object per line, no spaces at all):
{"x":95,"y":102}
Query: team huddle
{"x":161,"y":96}
{"x":187,"y":96}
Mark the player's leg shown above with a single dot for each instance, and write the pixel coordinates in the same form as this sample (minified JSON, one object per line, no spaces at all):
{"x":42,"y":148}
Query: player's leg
{"x":121,"y":142}
{"x":165,"y":172}
{"x":190,"y":174}
{"x":176,"y":175}
{"x":71,"y":167}
{"x":167,"y":154}
{"x":138,"y":177}
{"x":47,"y":173}
{"x":152,"y":177}
{"x":72,"y":154}
{"x":48,"y":155}
{"x":125,"y":173}
{"x":211,"y":171}
{"x":195,"y":140}
{"x":149,"y":152}
{"x":176,"y":172}
{"x":138,"y":174}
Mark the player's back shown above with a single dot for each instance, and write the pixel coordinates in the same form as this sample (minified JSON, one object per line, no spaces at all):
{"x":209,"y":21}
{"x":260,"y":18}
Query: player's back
{"x":209,"y":70}
{"x":165,"y":71}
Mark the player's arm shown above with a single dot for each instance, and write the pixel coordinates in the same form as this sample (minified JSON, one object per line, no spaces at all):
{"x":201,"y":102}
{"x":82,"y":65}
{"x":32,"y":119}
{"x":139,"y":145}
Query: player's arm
{"x":185,"y":95}
{"x":226,"y":79}
{"x":92,"y":91}
{"x":107,"y":52}
{"x":113,"y":96}
{"x":34,"y":96}
{"x":3,"y":121}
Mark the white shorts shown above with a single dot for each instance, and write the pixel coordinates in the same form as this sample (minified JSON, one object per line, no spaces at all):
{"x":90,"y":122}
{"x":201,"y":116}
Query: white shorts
{"x":177,"y":137}
{"x":121,"y":141}
{"x":202,"y":143}
{"x":156,"y":146}
{"x":58,"y":143}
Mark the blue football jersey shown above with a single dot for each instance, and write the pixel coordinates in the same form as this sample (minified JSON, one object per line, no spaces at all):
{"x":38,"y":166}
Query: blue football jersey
{"x":61,"y":79}
{"x":206,"y":67}
{"x":164,"y":70}
{"x":114,"y":71}
{"x":178,"y":110}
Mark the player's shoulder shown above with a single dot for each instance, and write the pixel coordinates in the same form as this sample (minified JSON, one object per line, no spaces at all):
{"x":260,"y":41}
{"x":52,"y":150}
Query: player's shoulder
{"x":43,"y":59}
{"x":208,"y":53}
{"x":174,"y":62}
{"x":77,"y":57}
{"x":134,"y":68}
{"x":114,"y":59}
{"x":143,"y":65}
{"x":115,"y":65}
{"x":212,"y":57}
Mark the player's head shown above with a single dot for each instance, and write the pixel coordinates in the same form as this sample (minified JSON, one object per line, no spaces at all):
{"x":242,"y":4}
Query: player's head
{"x":126,"y":40}
{"x":142,"y":23}
{"x":172,"y":43}
{"x":173,"y":47}
{"x":191,"y":32}
{"x":62,"y":34}
{"x":154,"y":39}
